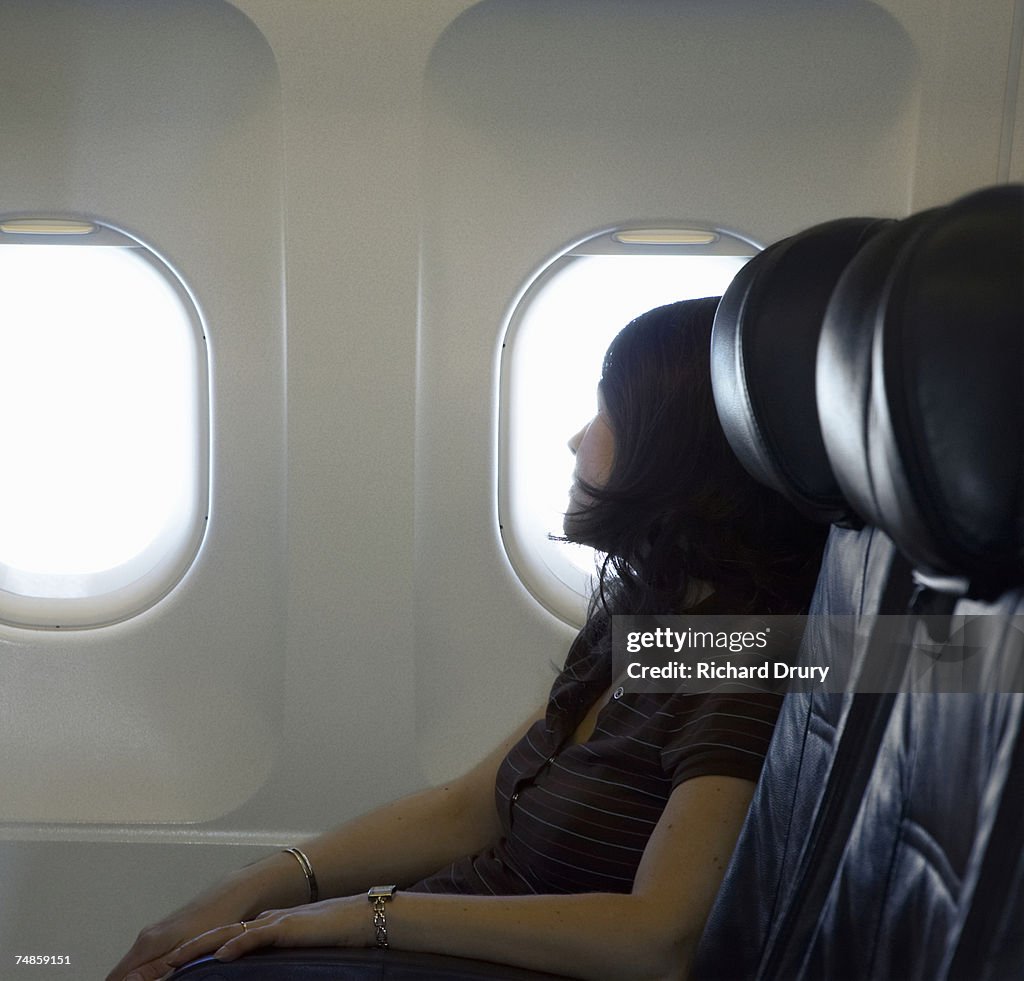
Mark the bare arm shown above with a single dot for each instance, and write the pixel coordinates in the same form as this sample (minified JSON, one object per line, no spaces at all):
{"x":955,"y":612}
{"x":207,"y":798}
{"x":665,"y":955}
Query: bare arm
{"x":389,"y":841}
{"x":650,"y":933}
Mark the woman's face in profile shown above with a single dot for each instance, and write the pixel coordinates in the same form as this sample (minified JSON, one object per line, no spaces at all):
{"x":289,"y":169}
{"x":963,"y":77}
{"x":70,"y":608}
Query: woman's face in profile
{"x":594,"y":449}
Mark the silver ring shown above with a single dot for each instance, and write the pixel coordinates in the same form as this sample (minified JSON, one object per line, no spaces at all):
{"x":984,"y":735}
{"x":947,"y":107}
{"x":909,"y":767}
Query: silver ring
{"x":243,"y":925}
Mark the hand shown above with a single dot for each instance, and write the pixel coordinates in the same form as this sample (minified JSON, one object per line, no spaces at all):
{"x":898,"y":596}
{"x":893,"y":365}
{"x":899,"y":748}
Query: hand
{"x":148,"y":958}
{"x":345,"y":922}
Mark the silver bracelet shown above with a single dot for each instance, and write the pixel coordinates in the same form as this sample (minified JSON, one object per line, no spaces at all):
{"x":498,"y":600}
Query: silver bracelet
{"x":307,"y":871}
{"x":379,"y":897}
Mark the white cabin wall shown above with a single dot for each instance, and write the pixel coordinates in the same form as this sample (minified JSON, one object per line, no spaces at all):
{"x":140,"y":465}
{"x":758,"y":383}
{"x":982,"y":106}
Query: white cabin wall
{"x":430,"y":157}
{"x":167,"y":125}
{"x":970,"y":115}
{"x":1015,"y":107}
{"x":351,"y":77}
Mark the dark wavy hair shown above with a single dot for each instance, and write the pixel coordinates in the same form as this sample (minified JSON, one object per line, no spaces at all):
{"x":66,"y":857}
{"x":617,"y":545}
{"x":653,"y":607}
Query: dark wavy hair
{"x":678,"y":508}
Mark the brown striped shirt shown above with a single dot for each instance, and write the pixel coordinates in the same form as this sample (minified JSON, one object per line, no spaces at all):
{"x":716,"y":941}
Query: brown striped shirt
{"x":577,"y":817}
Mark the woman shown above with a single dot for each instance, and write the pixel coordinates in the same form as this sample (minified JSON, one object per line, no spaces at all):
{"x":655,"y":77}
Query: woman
{"x":616,"y":813}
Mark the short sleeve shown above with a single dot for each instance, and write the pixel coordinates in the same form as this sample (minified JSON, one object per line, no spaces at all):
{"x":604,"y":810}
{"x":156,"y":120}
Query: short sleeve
{"x":717,"y":734}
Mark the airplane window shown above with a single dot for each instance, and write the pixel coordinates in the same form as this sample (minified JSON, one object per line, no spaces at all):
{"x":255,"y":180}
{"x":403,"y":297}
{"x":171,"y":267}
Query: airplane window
{"x":551,"y":360}
{"x":103,"y":391}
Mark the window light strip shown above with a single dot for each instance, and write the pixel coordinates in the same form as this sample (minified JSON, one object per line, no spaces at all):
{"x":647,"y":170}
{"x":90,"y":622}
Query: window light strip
{"x":664,"y":236}
{"x":46,"y":226}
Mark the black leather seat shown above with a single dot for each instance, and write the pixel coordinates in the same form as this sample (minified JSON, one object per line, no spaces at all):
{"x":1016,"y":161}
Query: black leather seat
{"x":764,"y":356}
{"x":943,"y":475}
{"x":919,"y":376}
{"x":334,"y":964}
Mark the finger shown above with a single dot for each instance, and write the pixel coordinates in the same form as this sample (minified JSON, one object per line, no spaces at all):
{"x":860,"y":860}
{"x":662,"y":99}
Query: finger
{"x":139,"y":961}
{"x":252,"y":939}
{"x":279,"y":929}
{"x":120,"y":970}
{"x":205,"y":943}
{"x":141,"y":968}
{"x":153,"y":971}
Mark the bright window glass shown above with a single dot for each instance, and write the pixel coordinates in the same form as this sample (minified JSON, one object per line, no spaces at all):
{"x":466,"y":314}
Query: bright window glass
{"x":551,"y":363}
{"x":102,"y":389}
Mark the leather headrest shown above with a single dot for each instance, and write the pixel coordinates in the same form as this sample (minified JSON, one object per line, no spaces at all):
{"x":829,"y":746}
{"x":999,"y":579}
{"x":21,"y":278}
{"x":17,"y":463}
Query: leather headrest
{"x":763,"y":352}
{"x":921,"y":387}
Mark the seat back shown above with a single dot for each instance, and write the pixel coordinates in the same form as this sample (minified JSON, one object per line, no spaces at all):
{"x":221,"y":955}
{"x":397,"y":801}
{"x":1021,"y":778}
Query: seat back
{"x":929,"y":310}
{"x":764,"y":353}
{"x":945,"y":428}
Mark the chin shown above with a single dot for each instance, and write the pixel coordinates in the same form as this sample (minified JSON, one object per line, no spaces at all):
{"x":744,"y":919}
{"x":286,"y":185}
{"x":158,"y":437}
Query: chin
{"x":572,"y":531}
{"x":577,"y":506}
{"x":567,"y":528}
